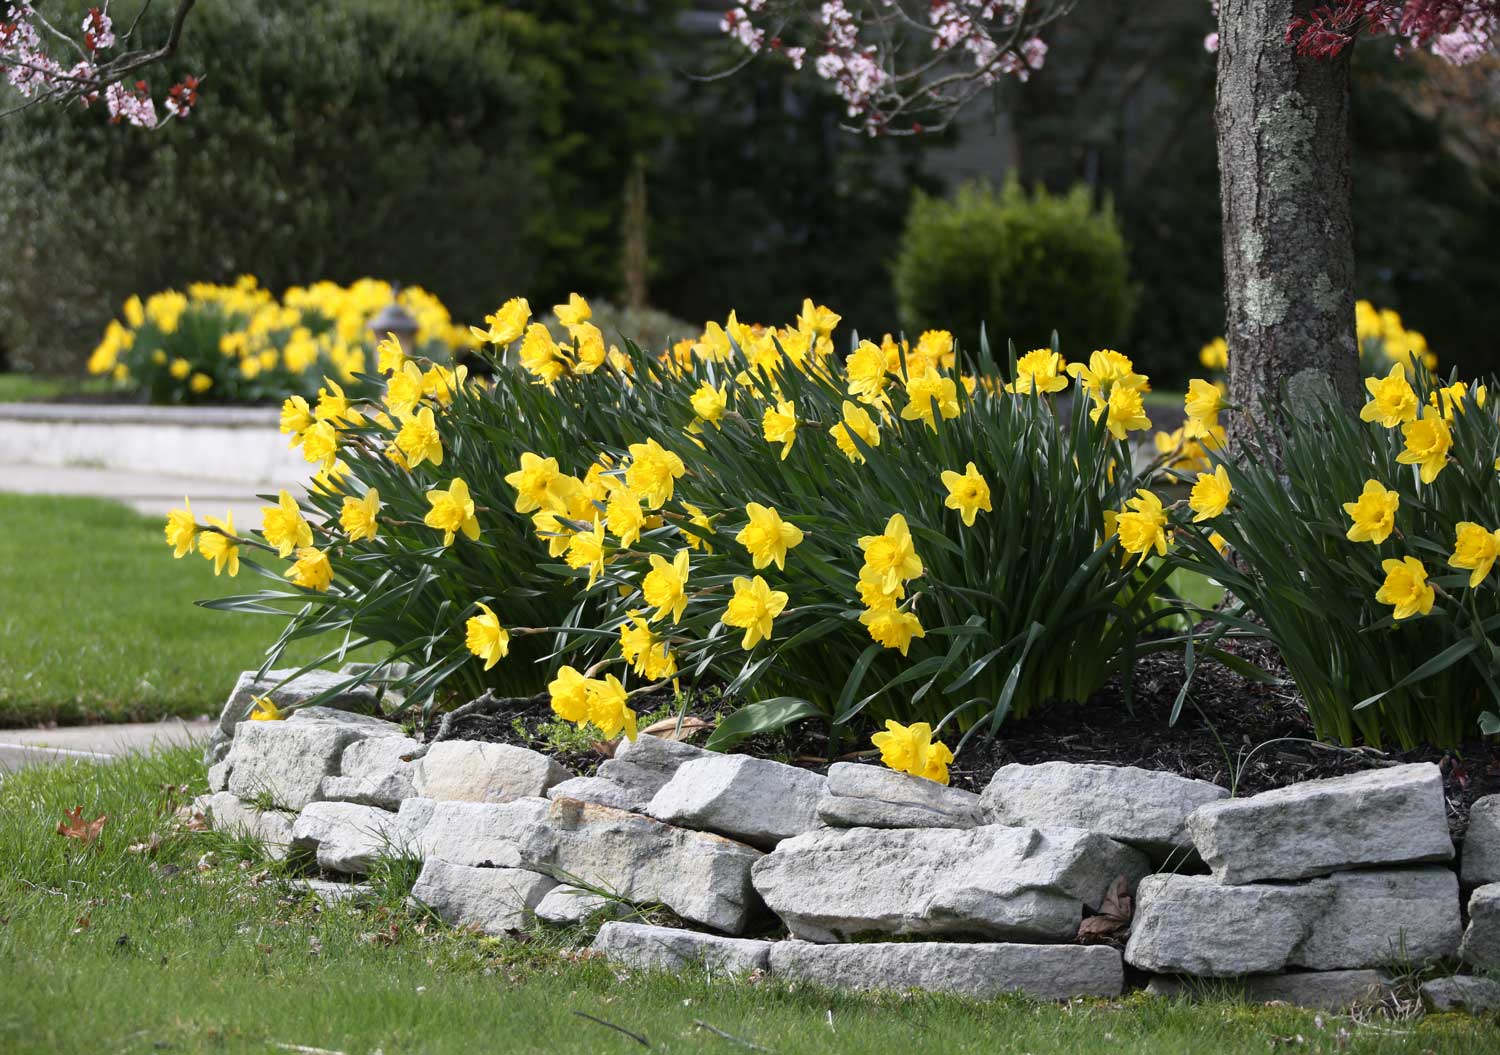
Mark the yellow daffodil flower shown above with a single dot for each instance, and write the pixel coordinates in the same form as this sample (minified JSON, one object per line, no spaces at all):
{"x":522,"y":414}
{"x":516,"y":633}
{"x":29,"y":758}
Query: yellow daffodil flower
{"x":312,"y":570}
{"x":182,"y":530}
{"x":767,"y":537}
{"x":358,"y":518}
{"x":1142,"y":526}
{"x":968,"y":492}
{"x":263,"y":710}
{"x":569,"y":695}
{"x":1039,"y":371}
{"x":709,"y":403}
{"x":926,"y":390}
{"x":609,"y":708}
{"x":284,"y":526}
{"x":891,"y":555}
{"x":1127,"y":413}
{"x":647,"y":652}
{"x":779,"y":424}
{"x":754,"y":608}
{"x":911,"y":749}
{"x":665,"y":585}
{"x":586,"y":550}
{"x":652,"y":472}
{"x":1392,"y":399}
{"x":575,"y":312}
{"x":624,"y":517}
{"x":1474,"y":549}
{"x":419,"y":440}
{"x":452,"y":512}
{"x":1428,"y":440}
{"x":857,"y":422}
{"x":508,"y":322}
{"x":219,"y":546}
{"x":1405,"y":588}
{"x":1210,"y":494}
{"x":538,"y":485}
{"x":891,"y":627}
{"x":1373,"y":513}
{"x":485,"y":637}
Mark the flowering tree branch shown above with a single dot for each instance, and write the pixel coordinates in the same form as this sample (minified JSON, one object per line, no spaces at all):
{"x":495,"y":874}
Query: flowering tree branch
{"x":87,"y":69}
{"x":896,"y":63}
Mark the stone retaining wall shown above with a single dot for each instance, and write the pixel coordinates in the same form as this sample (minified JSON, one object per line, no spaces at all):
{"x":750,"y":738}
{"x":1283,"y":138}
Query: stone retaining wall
{"x":1303,"y":894}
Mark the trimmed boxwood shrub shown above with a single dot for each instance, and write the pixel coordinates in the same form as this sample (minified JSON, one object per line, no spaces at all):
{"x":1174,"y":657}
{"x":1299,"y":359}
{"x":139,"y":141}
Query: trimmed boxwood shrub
{"x":1021,"y":264}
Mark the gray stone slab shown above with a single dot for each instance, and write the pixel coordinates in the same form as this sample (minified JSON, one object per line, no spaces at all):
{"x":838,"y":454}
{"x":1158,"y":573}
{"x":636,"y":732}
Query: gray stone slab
{"x":495,"y":900}
{"x":569,"y":904}
{"x":646,"y":763}
{"x":287,"y":761}
{"x":753,"y":800}
{"x":472,"y":771}
{"x":1139,"y":807}
{"x":980,"y":970}
{"x":702,"y":877}
{"x":226,"y":813}
{"x":602,"y":792}
{"x":1014,"y":884}
{"x":671,"y":949}
{"x":1481,"y":943}
{"x":482,"y":834}
{"x":347,"y":838}
{"x":375,"y":772}
{"x":1481,"y":851}
{"x":1464,"y":992}
{"x":1195,"y":925}
{"x":866,"y":796}
{"x":1377,"y":818}
{"x":286,"y":689}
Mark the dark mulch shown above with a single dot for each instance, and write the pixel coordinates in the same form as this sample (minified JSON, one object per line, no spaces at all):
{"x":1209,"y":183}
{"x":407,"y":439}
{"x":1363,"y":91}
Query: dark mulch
{"x":1233,"y":732}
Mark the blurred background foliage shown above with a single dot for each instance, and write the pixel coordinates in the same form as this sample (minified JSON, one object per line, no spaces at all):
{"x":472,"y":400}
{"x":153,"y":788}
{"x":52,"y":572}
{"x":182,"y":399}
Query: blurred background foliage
{"x":483,"y":148}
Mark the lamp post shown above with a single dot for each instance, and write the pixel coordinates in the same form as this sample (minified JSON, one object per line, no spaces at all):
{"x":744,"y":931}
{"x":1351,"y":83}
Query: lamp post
{"x":396,"y":321}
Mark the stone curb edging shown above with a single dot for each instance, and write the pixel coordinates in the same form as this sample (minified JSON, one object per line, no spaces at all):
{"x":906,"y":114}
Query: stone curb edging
{"x":994,"y":886}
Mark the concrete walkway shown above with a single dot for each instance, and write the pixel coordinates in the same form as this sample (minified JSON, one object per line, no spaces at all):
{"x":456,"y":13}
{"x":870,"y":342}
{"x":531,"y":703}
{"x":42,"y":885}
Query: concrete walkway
{"x":150,"y":493}
{"x":100,"y":743}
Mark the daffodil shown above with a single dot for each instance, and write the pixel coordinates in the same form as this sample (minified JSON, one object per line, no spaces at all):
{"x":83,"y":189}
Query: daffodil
{"x":312,"y":570}
{"x":856,"y":422}
{"x":609,"y":708}
{"x":574,"y":312}
{"x":699,"y":519}
{"x":968,"y":492}
{"x":419,"y":440}
{"x":1405,"y":588}
{"x":182,"y":530}
{"x":1127,"y":412}
{"x":926,"y":391}
{"x":404,"y":390}
{"x":1142,"y":525}
{"x":569,"y":695}
{"x":485,"y":637}
{"x":779,"y":425}
{"x":284,"y":526}
{"x":1039,"y":371}
{"x":296,"y":418}
{"x":333,"y":406}
{"x":553,"y":530}
{"x":1210,"y":494}
{"x":911,"y":749}
{"x":540,"y":356}
{"x":647,"y":652}
{"x":1373,"y":513}
{"x":754,"y":608}
{"x":1392,"y":399}
{"x":820,"y":319}
{"x":452,"y":511}
{"x":263,"y":710}
{"x":320,"y":443}
{"x":358,"y":518}
{"x":508,"y":322}
{"x":767,"y":537}
{"x":1106,"y":370}
{"x":1202,"y":403}
{"x":220,"y":546}
{"x":709,"y":403}
{"x":624,"y":517}
{"x":1215,"y":354}
{"x":652,"y":472}
{"x":665,"y":585}
{"x":586,"y":550}
{"x":877,"y":591}
{"x":891,"y":627}
{"x":1428,"y":440}
{"x":389,"y":355}
{"x":538,"y":484}
{"x":865,"y":372}
{"x":1474,"y":549}
{"x":891,"y":554}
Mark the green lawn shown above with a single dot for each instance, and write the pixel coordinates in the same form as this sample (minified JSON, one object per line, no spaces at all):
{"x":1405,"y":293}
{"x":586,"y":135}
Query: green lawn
{"x":109,"y":950}
{"x":97,"y":621}
{"x":28,"y":388}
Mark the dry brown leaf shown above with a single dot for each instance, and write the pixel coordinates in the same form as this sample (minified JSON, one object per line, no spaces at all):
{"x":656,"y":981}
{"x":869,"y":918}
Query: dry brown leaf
{"x":75,"y":827}
{"x":1113,"y":917}
{"x":667,"y":728}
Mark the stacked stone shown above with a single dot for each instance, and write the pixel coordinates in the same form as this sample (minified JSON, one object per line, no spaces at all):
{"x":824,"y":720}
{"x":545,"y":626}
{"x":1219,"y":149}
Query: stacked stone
{"x":1341,"y":876}
{"x":1313,"y":887}
{"x":1479,"y":872}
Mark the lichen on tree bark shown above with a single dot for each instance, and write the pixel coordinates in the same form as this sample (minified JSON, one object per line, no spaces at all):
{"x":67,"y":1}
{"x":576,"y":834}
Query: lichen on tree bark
{"x":1283,"y":124}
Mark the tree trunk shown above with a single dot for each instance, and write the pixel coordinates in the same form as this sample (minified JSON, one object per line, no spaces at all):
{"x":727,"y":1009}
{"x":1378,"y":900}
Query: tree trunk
{"x":1283,"y":122}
